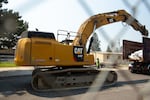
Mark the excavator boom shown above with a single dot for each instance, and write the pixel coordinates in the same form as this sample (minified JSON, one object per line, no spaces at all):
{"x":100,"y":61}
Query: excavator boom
{"x":96,"y":21}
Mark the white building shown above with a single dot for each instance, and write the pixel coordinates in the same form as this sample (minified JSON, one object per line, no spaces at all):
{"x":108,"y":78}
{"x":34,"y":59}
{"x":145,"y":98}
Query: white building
{"x":108,"y":57}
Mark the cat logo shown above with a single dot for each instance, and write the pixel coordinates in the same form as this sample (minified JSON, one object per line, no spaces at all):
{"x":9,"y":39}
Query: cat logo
{"x":78,"y":52}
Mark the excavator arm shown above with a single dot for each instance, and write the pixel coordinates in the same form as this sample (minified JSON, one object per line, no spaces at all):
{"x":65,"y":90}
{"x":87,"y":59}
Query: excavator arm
{"x":96,"y":21}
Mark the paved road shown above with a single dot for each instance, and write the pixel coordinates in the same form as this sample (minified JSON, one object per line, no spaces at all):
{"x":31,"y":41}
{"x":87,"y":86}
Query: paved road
{"x":18,"y":88}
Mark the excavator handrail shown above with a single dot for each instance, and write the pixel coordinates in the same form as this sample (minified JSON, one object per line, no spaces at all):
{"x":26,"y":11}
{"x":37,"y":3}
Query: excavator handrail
{"x":96,"y":21}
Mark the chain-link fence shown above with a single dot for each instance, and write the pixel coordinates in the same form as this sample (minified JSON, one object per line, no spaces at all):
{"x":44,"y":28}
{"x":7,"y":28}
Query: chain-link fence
{"x":143,"y":94}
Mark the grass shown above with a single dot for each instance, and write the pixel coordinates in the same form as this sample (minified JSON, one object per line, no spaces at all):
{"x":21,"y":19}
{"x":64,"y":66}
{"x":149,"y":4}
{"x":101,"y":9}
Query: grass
{"x":7,"y":64}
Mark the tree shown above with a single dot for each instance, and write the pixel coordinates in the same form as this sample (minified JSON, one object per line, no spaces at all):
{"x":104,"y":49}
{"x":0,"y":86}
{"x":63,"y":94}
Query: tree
{"x":3,"y":1}
{"x":11,"y":26}
{"x":114,"y":46}
{"x":109,"y":49}
{"x":96,"y":43}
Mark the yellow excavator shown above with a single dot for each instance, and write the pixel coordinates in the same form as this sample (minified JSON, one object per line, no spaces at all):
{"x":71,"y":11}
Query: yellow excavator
{"x":62,"y":65}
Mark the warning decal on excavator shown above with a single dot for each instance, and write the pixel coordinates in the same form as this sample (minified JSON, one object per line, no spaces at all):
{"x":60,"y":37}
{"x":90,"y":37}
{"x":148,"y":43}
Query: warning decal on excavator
{"x":78,"y":53}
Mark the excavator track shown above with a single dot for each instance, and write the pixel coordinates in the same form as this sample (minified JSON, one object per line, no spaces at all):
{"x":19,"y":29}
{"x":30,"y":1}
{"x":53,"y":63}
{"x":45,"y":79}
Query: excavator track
{"x":68,"y":78}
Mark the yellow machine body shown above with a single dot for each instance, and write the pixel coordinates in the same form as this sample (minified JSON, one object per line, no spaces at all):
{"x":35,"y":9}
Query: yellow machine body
{"x":48,"y":52}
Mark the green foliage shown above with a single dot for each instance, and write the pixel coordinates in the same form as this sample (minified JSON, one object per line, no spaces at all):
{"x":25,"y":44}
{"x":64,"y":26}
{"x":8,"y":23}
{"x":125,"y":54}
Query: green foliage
{"x":3,"y":1}
{"x":11,"y":26}
{"x":7,"y":64}
{"x":96,"y":43}
{"x":109,"y":49}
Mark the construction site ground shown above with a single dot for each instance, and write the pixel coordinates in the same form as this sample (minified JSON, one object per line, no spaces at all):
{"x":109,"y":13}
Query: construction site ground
{"x":15,"y":85}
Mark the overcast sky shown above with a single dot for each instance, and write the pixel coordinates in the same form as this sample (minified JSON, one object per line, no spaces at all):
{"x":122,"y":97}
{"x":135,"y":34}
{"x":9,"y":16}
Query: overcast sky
{"x":51,"y":15}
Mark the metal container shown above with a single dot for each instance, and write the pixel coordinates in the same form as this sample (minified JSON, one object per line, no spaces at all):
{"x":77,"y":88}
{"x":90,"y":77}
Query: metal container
{"x":130,"y":47}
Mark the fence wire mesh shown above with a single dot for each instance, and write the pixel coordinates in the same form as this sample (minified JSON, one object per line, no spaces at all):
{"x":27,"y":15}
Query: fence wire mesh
{"x":144,"y":93}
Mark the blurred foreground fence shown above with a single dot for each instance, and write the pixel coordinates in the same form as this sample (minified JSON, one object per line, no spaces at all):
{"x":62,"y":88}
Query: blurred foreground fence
{"x":144,"y":93}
